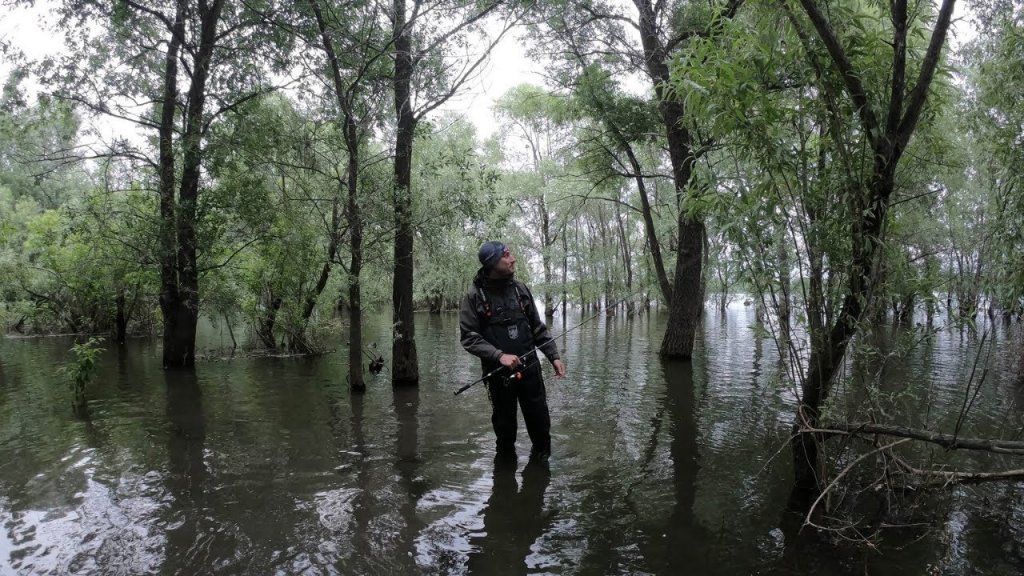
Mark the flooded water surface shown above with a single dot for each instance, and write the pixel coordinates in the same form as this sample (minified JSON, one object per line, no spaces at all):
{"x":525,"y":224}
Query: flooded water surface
{"x":272,"y":466}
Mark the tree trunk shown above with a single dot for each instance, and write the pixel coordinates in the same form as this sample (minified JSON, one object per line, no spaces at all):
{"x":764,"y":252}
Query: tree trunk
{"x":627,"y":261}
{"x":785,"y":288}
{"x":355,"y":327}
{"x":121,"y":322}
{"x":179,"y":298}
{"x":266,"y":329}
{"x":648,"y":216}
{"x":404,"y":368}
{"x":546,"y":243}
{"x":325,"y":270}
{"x":684,"y":309}
{"x":888,"y":136}
{"x":686,"y":302}
{"x":565,"y":274}
{"x":353,"y":137}
{"x":169,"y":294}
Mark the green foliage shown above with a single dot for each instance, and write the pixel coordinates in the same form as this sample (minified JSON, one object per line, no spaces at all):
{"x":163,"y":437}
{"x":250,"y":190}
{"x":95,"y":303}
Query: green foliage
{"x":78,"y":258}
{"x":458,"y":206}
{"x":994,"y":119}
{"x":36,"y":140}
{"x":82,"y":369}
{"x":80,"y":373}
{"x":782,"y":166}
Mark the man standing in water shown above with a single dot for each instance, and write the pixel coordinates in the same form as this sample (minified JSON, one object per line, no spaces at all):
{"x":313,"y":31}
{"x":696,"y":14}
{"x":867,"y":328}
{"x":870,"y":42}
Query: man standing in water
{"x":499,"y":323}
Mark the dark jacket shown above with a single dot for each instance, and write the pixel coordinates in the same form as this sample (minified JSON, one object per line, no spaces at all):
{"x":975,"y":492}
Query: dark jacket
{"x":489,"y":306}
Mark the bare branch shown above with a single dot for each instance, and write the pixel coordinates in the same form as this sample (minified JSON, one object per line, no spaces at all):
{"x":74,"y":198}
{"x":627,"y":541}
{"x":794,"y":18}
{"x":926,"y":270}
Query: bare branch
{"x":947,"y":441}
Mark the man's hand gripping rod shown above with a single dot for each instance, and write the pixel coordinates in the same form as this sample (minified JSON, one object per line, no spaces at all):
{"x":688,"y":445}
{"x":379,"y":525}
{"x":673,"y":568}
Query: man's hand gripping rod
{"x":492,"y":373}
{"x":534,"y":350}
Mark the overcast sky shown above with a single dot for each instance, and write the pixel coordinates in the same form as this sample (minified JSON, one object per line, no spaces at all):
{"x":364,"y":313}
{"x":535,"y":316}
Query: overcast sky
{"x":507,"y":66}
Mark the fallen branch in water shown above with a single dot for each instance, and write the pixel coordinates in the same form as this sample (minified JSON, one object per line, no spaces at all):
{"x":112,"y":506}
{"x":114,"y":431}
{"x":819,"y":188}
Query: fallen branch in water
{"x":942,"y":478}
{"x":947,"y":441}
{"x":946,"y":478}
{"x":844,"y":472}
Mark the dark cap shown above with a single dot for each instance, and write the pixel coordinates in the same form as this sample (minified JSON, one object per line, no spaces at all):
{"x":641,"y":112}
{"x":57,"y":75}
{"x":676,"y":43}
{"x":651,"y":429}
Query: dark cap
{"x":490,"y":253}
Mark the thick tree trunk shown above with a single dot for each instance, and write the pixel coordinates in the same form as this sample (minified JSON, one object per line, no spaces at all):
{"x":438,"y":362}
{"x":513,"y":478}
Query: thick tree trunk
{"x":179,"y":324}
{"x":266,"y":329}
{"x":687,"y":299}
{"x":179,"y":295}
{"x":169,"y":298}
{"x":404,"y":367}
{"x":684,"y":309}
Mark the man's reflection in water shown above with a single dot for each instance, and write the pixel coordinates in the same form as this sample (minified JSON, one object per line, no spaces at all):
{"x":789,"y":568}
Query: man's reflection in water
{"x":513,"y":519}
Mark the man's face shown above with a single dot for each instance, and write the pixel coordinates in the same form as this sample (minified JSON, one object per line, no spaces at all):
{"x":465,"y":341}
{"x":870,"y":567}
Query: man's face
{"x":506,"y":266}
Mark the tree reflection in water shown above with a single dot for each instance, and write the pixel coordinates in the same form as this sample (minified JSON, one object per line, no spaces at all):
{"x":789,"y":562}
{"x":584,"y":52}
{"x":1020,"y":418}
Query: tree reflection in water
{"x":186,"y":470}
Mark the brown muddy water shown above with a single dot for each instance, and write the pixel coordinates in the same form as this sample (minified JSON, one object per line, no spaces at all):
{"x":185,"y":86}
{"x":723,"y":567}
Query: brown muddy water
{"x":271,"y":466}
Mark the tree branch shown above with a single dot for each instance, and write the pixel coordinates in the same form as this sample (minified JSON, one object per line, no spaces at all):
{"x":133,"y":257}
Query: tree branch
{"x":924,"y":78}
{"x":947,"y":441}
{"x":851,"y":80}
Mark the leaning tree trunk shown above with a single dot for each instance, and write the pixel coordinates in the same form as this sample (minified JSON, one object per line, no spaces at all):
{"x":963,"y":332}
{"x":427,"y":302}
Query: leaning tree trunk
{"x":404,"y":369}
{"x":686,"y":302}
{"x":300,"y":342}
{"x":546,"y":242}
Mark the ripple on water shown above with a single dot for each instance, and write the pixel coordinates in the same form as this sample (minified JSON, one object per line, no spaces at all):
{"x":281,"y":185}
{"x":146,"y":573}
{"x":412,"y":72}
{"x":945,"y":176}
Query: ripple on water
{"x":104,"y":533}
{"x":275,"y":469}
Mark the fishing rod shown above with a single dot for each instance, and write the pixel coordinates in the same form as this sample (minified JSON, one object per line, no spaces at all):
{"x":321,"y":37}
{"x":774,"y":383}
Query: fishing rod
{"x":517,"y":375}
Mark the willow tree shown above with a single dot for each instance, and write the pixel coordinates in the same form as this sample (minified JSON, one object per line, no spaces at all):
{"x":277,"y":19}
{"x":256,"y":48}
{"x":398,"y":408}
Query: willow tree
{"x":460,"y":200}
{"x":648,"y":39}
{"x":888,"y":115}
{"x":352,"y":66}
{"x":994,"y":119}
{"x":535,"y":133}
{"x":171,"y":70}
{"x":437,"y":47}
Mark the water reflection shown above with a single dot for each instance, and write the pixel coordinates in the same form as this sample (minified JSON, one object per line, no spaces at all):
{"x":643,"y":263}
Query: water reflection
{"x":410,"y":487}
{"x":186,"y":478}
{"x":513,"y":519}
{"x":263,"y":466}
{"x":678,"y":546}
